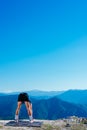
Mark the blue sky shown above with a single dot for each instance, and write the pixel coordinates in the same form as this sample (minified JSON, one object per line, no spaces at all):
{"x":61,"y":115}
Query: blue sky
{"x":43,"y":45}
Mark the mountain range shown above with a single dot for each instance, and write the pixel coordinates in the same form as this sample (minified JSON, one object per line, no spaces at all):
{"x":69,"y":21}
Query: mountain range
{"x":74,"y":96}
{"x":46,"y":105}
{"x":38,"y":94}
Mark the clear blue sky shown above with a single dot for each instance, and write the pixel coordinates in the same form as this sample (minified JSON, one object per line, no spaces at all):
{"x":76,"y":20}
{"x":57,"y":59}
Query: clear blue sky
{"x":43,"y":45}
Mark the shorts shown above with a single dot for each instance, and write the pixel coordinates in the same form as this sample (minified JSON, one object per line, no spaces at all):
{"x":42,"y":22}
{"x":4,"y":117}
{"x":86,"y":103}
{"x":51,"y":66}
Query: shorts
{"x":23,"y":97}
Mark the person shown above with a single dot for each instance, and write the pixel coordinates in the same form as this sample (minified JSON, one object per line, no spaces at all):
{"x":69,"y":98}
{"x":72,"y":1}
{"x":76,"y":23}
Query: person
{"x":23,"y":98}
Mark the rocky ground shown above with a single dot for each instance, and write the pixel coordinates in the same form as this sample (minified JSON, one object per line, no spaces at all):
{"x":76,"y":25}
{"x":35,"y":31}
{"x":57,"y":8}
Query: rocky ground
{"x":47,"y":125}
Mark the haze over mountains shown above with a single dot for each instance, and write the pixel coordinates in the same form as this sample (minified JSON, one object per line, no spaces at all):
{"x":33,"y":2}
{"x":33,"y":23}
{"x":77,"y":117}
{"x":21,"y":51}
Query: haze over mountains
{"x":46,"y":105}
{"x":37,"y":93}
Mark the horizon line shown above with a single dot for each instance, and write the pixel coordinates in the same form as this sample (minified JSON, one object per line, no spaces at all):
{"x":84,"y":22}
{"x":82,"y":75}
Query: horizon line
{"x":39,"y":90}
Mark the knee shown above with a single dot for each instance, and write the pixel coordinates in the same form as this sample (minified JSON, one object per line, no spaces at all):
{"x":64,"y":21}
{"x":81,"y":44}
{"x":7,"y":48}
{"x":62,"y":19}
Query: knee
{"x":18,"y":108}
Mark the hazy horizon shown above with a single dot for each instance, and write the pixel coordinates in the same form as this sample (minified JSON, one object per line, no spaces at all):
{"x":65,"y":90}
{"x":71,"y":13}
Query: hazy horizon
{"x":43,"y":90}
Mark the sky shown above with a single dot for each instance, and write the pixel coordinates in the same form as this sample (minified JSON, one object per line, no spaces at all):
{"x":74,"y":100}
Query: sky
{"x":43,"y":45}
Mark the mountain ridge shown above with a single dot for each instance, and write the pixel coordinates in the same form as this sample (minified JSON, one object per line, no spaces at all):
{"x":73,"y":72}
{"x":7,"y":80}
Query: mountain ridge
{"x":51,"y":108}
{"x":74,"y":96}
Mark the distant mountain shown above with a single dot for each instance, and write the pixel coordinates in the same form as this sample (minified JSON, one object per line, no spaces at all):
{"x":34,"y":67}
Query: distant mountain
{"x":7,"y":106}
{"x":38,"y":94}
{"x":74,"y":96}
{"x":55,"y":108}
{"x":44,"y":94}
{"x":52,"y":108}
{"x":2,"y":94}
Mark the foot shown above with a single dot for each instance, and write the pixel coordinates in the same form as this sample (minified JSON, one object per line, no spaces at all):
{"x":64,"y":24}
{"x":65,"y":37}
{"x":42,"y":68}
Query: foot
{"x":16,"y":120}
{"x":31,"y":121}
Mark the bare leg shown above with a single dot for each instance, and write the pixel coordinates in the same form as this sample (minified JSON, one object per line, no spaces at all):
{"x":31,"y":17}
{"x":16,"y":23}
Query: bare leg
{"x":17,"y":111}
{"x":18,"y":108}
{"x":29,"y":109}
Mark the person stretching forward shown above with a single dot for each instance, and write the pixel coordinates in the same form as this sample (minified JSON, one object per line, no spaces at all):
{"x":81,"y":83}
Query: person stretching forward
{"x":23,"y":98}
